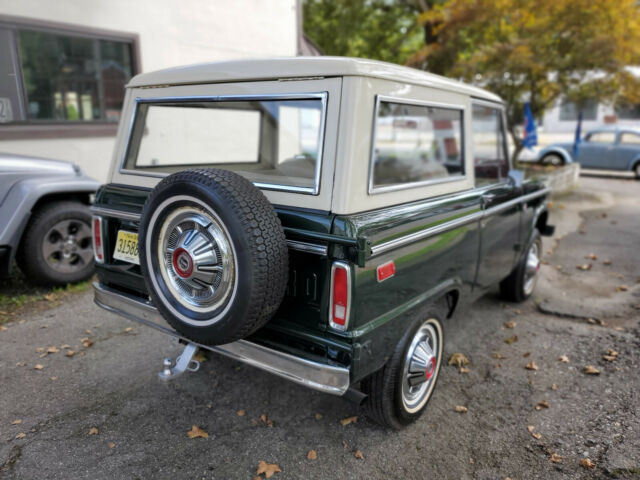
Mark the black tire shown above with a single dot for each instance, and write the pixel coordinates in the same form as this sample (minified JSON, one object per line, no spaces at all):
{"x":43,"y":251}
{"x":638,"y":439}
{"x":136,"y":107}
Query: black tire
{"x":56,"y":269}
{"x":254,"y":276}
{"x":384,"y":403}
{"x":636,"y":170}
{"x":513,"y":288}
{"x":552,"y":159}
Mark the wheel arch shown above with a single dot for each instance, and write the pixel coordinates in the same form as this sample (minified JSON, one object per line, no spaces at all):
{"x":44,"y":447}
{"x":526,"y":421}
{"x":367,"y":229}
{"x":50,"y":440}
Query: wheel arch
{"x":634,"y":163}
{"x":566,"y":156}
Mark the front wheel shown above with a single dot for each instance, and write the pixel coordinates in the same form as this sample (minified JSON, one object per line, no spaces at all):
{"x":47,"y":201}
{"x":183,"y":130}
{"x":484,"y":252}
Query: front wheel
{"x":398,"y":393}
{"x":552,"y":159}
{"x":636,"y":170}
{"x":519,"y":285}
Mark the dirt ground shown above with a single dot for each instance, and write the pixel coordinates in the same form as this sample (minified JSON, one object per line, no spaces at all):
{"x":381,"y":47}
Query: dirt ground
{"x":102,"y":412}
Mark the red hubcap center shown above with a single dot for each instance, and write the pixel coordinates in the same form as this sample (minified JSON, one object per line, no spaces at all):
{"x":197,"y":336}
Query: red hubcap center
{"x":431,"y":368}
{"x":182,"y":263}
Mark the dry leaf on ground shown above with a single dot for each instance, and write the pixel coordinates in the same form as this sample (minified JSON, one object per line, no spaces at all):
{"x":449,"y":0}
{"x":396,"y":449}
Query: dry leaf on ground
{"x":542,"y":404}
{"x":510,"y":324}
{"x":49,"y":297}
{"x":86,"y":342}
{"x":531,"y":366}
{"x":52,"y":349}
{"x":586,"y":266}
{"x":535,"y":435}
{"x":458,"y":359}
{"x":21,"y":435}
{"x":348,"y":420}
{"x":464,"y":370}
{"x":93,"y":431}
{"x":128,"y":329}
{"x":591,"y":370}
{"x":318,"y":416}
{"x":563,"y":359}
{"x":554,"y":386}
{"x":312,"y":455}
{"x":498,"y":356}
{"x":460,"y":409}
{"x":511,"y":340}
{"x":196,"y":432}
{"x":69,"y":353}
{"x":591,"y":256}
{"x":622,"y":288}
{"x":200,"y":357}
{"x":587,"y":463}
{"x":241,"y":413}
{"x":609,"y":358}
{"x":555,"y":458}
{"x":38,"y":366}
{"x":16,"y":422}
{"x":267,"y":468}
{"x":267,"y":421}
{"x":112,"y":445}
{"x":3,"y":328}
{"x":359,"y":455}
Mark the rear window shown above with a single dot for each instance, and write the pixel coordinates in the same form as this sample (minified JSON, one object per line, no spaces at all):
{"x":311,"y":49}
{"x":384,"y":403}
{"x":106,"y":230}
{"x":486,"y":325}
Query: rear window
{"x":274,"y":142}
{"x":415,"y":144}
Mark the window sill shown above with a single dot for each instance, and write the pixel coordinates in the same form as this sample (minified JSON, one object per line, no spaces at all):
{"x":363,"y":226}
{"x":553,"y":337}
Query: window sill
{"x":57,"y":130}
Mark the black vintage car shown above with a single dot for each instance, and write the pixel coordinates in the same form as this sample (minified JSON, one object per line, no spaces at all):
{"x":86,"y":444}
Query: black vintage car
{"x":322,"y":228}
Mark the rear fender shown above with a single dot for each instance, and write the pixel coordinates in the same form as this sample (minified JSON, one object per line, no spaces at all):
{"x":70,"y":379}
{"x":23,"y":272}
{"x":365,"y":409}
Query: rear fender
{"x":566,"y":156}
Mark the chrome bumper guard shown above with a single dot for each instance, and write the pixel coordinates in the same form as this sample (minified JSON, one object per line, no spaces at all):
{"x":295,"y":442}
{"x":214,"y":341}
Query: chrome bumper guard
{"x":325,"y":378}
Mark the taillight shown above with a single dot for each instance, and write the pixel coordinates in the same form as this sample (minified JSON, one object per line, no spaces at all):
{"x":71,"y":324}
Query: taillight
{"x":340,"y":296}
{"x":98,"y":246}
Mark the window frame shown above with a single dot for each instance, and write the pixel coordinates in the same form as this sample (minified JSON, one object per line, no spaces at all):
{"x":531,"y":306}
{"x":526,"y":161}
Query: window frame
{"x":373,"y":190}
{"x":322,"y":96}
{"x":60,"y":128}
{"x":587,"y":137}
{"x":505,"y":146}
{"x":632,"y":144}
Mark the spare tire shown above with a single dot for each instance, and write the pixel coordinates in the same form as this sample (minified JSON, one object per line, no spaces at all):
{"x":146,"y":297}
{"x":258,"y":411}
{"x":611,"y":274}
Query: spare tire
{"x":213,"y":254}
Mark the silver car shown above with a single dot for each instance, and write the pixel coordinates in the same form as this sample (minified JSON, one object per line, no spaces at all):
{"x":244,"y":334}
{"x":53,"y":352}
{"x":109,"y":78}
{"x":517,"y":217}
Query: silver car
{"x":45,"y":222}
{"x":603,"y":148}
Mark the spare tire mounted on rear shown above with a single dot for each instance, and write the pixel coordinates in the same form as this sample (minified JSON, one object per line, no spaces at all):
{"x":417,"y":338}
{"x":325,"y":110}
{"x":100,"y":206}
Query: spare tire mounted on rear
{"x":213,"y":255}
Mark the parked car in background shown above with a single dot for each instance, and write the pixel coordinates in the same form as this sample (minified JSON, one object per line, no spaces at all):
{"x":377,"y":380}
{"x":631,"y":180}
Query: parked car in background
{"x":603,"y":148}
{"x":45,"y":222}
{"x":322,"y":228}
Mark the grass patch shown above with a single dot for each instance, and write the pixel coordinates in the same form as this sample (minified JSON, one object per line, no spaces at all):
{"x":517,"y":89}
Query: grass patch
{"x":17,"y":293}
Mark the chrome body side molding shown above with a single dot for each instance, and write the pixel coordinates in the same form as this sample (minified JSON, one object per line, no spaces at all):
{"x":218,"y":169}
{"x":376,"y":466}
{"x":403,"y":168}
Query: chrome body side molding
{"x":318,"y":376}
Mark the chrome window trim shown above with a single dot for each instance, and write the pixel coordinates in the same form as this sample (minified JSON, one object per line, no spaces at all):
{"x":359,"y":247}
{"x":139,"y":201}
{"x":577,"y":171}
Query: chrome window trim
{"x":108,"y":212}
{"x":458,"y":222}
{"x":322,"y":96}
{"x":332,"y":324}
{"x":372,"y":190}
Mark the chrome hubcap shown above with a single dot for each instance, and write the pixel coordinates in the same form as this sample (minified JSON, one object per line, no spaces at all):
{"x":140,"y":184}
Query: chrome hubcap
{"x":67,"y":246}
{"x":531,"y":268}
{"x":197,"y":259}
{"x":421,"y":367}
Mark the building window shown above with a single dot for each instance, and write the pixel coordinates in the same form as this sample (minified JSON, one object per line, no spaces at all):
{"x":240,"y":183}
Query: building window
{"x":65,"y":77}
{"x":569,"y":111}
{"x":628,"y":111}
{"x":415,"y":144}
{"x":489,"y":153}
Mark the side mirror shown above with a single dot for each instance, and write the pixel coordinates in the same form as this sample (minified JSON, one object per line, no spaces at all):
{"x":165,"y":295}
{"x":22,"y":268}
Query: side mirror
{"x":516,"y":177}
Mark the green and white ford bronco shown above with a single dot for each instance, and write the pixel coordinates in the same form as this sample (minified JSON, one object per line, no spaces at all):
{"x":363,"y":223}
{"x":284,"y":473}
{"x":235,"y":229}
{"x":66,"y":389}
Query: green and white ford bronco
{"x":319,"y":218}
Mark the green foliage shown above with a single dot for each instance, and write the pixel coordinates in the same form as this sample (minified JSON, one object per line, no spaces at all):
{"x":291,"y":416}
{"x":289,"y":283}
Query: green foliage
{"x":379,"y":29}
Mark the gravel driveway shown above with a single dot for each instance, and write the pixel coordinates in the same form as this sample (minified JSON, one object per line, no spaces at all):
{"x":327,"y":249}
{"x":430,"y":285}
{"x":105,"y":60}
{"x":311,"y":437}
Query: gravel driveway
{"x":101,"y":412}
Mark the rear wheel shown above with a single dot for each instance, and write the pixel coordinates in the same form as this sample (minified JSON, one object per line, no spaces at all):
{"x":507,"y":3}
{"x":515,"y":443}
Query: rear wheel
{"x":520,"y":284}
{"x":636,"y":170}
{"x":552,"y":159}
{"x":56,"y":247}
{"x":398,"y":394}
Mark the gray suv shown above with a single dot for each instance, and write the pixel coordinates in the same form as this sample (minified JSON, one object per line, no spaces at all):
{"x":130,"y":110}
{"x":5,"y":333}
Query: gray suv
{"x":45,"y":222}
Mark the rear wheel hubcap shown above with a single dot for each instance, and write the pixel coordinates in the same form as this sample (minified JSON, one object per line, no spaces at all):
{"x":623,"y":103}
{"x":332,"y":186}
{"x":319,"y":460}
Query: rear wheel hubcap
{"x":421,"y":366}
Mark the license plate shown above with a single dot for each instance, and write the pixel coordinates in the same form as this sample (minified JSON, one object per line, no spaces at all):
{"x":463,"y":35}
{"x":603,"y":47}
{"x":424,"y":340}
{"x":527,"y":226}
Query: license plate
{"x":127,"y":247}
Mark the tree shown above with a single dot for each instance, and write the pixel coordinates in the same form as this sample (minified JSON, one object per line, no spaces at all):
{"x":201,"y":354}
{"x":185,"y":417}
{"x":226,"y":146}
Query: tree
{"x":536,"y":50}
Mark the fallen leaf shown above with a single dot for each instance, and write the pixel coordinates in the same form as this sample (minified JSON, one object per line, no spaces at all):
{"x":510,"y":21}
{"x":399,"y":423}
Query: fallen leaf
{"x":460,"y":409}
{"x":3,"y":328}
{"x":587,"y":463}
{"x":50,"y":297}
{"x":590,"y":370}
{"x":586,"y":266}
{"x":535,"y":435}
{"x":42,"y":355}
{"x":555,"y":458}
{"x":200,"y":357}
{"x":69,"y":353}
{"x":531,"y":366}
{"x":348,"y":420}
{"x":267,"y":468}
{"x":196,"y":432}
{"x":241,"y":413}
{"x":558,"y":267}
{"x":612,"y":352}
{"x":458,"y":359}
{"x":86,"y":342}
{"x":510,"y":324}
{"x":111,"y":445}
{"x":359,"y":455}
{"x":526,"y":354}
{"x":266,"y":420}
{"x":464,"y":370}
{"x":609,"y":358}
{"x":39,"y":349}
{"x":312,"y":455}
{"x":16,"y":422}
{"x":516,"y":311}
{"x":318,"y":416}
{"x":622,"y":288}
{"x":88,"y":332}
{"x":511,"y":340}
{"x":38,"y":366}
{"x":554,"y":386}
{"x":65,"y":346}
{"x":344,"y":445}
{"x":53,"y":378}
{"x":607,"y":262}
{"x":21,"y":435}
{"x":591,"y":256}
{"x":542,"y":404}
{"x":563,"y":359}
{"x":93,"y":431}
{"x":498,"y":356}
{"x":128,"y":329}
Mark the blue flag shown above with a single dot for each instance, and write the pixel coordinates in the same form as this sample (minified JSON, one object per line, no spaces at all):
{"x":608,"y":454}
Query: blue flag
{"x":578,"y":137}
{"x":530,"y":135}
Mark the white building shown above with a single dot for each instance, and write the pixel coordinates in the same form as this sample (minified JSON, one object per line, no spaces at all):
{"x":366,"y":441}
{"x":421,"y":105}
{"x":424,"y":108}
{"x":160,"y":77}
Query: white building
{"x":64,"y":63}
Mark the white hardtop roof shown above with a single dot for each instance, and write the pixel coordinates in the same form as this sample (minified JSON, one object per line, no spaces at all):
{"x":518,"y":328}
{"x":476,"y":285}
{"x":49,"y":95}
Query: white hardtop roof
{"x":301,"y":67}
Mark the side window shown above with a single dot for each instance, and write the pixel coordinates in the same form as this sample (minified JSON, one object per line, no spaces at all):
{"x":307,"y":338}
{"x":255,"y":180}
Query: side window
{"x":601,"y":137}
{"x":489,"y":154}
{"x":415,"y":144}
{"x":628,"y":138}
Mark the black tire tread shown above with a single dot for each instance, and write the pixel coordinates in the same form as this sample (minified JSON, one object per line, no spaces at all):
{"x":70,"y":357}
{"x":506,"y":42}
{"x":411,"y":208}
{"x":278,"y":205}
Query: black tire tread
{"x":512,"y":287}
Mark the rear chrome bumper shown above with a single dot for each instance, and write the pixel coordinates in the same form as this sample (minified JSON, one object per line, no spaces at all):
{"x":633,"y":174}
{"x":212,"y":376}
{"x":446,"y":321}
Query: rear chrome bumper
{"x":325,"y":378}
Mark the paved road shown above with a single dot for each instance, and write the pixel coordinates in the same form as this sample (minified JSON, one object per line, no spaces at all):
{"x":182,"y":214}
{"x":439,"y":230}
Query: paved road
{"x":142,"y":423}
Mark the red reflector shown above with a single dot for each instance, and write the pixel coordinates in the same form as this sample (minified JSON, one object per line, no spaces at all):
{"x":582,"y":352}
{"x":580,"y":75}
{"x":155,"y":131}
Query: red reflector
{"x":386,"y":270}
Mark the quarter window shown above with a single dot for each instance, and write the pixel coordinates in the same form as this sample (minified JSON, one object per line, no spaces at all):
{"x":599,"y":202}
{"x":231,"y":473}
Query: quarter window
{"x":415,"y":144}
{"x":601,"y":137}
{"x":489,"y":153}
{"x":630,"y":139}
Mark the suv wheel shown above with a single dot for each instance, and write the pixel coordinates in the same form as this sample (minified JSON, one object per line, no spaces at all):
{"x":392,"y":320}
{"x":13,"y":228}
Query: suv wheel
{"x":213,"y":254}
{"x":56,"y":247}
{"x":519,"y":285}
{"x":398,"y":393}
